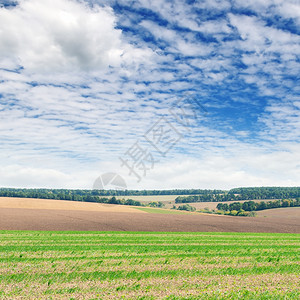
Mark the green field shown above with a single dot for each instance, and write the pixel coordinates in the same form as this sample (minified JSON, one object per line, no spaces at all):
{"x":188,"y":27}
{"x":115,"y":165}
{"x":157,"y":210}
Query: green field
{"x":118,"y":265}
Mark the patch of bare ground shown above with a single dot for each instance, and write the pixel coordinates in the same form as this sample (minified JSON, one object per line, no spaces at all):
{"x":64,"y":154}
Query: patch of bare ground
{"x":290,"y":213}
{"x":55,"y":219}
{"x":30,"y":203}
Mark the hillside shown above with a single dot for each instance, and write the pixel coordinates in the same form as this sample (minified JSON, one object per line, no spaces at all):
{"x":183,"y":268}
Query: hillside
{"x":37,"y":214}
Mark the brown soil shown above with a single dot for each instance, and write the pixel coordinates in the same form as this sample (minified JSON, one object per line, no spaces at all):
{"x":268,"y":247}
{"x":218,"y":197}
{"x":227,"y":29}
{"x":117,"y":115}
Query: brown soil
{"x":6,"y":202}
{"x":55,"y":219}
{"x":288,"y":213}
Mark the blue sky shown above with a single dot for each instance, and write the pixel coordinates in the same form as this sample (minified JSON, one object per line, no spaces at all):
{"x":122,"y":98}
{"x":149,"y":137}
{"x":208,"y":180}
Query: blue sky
{"x":83,"y":82}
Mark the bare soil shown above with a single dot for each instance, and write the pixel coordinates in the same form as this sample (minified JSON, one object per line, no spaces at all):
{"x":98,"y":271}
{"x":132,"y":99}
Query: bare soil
{"x":288,"y":213}
{"x":62,"y":219}
{"x":32,"y":203}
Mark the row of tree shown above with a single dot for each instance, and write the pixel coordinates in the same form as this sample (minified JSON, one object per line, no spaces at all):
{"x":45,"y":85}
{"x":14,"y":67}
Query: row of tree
{"x":266,"y":192}
{"x":244,"y":194}
{"x":190,"y":195}
{"x":68,"y":194}
{"x":156,"y":192}
{"x":254,"y":206}
{"x":114,"y":200}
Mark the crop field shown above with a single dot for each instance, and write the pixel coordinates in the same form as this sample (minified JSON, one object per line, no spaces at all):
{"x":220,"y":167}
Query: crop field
{"x":29,"y":203}
{"x":279,"y":220}
{"x":118,"y":265}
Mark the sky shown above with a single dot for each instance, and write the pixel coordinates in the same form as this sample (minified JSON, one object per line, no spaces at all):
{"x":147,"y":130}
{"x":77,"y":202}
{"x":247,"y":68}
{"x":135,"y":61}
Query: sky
{"x":163,"y":94}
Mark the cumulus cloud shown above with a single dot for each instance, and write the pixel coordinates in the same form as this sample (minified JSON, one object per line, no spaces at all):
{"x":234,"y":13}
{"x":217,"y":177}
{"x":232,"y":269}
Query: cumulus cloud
{"x":60,"y":35}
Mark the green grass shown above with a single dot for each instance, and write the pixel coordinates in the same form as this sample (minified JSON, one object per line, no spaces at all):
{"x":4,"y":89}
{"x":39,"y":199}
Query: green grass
{"x":161,"y":211}
{"x":121,"y":265}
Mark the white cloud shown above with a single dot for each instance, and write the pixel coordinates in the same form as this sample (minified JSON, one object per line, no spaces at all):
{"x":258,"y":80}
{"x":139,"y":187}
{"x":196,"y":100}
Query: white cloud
{"x":250,"y":167}
{"x":290,"y":9}
{"x":182,"y":43}
{"x":214,"y":27}
{"x":247,"y":167}
{"x":257,"y":36}
{"x":60,"y":35}
{"x":287,"y":9}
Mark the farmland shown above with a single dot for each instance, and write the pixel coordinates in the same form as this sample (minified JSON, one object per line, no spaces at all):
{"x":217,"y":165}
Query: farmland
{"x":146,"y":199}
{"x":28,"y":203}
{"x":109,"y":265}
{"x":212,"y":205}
{"x":41,"y":214}
{"x":121,"y":252}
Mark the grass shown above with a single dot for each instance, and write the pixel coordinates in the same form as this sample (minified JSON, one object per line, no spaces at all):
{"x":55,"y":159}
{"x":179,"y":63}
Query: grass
{"x":118,"y":265}
{"x":161,"y":211}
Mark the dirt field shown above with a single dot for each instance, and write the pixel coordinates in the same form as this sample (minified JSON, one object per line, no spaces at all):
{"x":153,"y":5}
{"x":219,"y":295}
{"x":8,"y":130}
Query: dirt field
{"x":54,"y":219}
{"x":288,"y":213}
{"x":6,"y":202}
{"x":40,"y":214}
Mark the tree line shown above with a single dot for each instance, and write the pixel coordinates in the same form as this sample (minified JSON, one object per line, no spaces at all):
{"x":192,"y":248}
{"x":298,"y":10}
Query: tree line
{"x":185,"y":195}
{"x":255,"y":206}
{"x":82,"y":195}
{"x":238,"y":194}
{"x":114,"y":200}
{"x":266,"y":192}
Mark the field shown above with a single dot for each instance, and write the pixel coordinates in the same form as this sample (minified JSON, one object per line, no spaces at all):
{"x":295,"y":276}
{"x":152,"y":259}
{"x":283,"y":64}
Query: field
{"x":169,"y":201}
{"x":112,"y":265}
{"x":39,"y":214}
{"x":121,"y":252}
{"x":146,"y":199}
{"x":212,"y":205}
{"x":29,"y":203}
{"x":162,"y":211}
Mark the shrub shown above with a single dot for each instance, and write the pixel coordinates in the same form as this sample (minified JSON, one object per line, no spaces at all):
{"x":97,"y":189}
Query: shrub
{"x":243,"y":213}
{"x":186,"y":207}
{"x":206,"y":210}
{"x":252,"y":214}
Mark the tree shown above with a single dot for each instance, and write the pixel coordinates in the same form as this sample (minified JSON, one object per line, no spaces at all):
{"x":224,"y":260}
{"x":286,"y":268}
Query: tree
{"x":225,"y":207}
{"x":235,"y":206}
{"x":248,"y":206}
{"x":285,"y":203}
{"x":261,"y":205}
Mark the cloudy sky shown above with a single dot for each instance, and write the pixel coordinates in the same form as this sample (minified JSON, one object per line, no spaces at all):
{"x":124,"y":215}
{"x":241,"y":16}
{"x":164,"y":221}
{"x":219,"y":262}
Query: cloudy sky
{"x":167,"y":94}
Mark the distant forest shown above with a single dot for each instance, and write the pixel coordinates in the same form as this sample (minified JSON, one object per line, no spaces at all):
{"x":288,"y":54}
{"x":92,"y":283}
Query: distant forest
{"x":251,"y":193}
{"x":254,"y":206}
{"x":184,"y":195}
